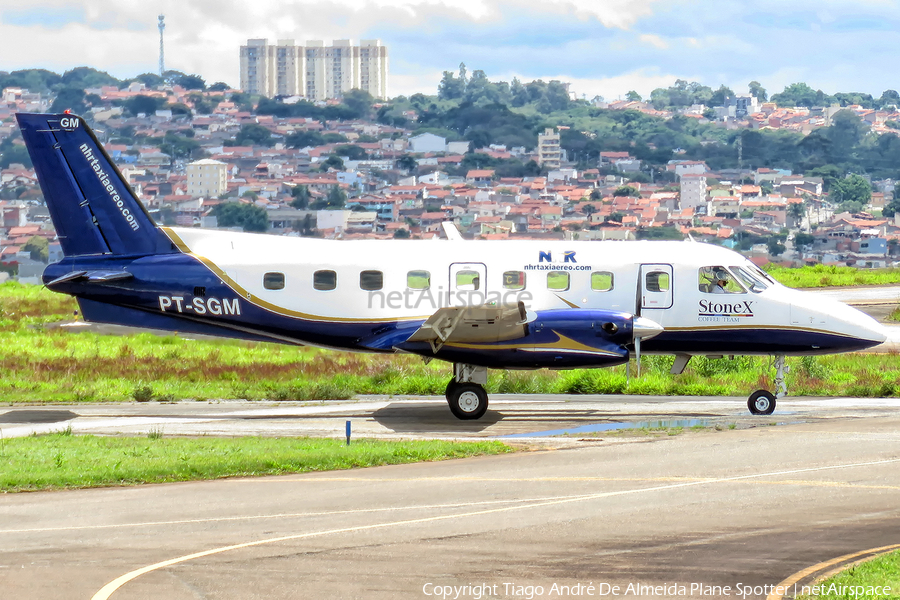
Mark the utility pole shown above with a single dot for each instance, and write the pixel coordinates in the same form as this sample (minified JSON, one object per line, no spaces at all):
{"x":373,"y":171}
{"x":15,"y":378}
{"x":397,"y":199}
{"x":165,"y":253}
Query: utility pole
{"x":162,"y":60}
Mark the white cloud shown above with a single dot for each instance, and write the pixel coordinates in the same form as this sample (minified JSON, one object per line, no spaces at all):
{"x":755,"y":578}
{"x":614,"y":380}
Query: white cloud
{"x":654,"y":40}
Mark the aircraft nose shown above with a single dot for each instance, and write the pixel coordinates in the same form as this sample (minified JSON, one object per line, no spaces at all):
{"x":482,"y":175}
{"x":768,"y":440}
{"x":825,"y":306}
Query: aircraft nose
{"x":853,"y":323}
{"x":645,"y":328}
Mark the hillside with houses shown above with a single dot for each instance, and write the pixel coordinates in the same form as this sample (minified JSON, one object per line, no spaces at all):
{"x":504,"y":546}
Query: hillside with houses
{"x":364,"y":169}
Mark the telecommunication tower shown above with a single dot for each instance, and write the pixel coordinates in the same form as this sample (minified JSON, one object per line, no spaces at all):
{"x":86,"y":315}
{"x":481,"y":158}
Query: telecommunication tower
{"x":162,"y":60}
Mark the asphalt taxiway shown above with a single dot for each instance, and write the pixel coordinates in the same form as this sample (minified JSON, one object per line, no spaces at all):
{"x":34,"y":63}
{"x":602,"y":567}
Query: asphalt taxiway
{"x":720,"y":507}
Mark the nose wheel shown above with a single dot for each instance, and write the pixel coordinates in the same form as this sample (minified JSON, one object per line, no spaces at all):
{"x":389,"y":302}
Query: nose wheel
{"x":762,"y":402}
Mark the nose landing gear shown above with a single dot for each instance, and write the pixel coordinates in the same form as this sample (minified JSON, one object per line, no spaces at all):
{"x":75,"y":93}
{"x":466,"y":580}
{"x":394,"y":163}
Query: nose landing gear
{"x":762,"y":402}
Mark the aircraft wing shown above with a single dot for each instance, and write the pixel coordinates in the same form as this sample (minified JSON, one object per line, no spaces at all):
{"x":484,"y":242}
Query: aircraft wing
{"x":488,"y":323}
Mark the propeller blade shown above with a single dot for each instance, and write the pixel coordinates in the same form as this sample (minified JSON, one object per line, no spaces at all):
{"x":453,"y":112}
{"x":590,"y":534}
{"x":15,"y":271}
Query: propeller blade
{"x":637,"y":355}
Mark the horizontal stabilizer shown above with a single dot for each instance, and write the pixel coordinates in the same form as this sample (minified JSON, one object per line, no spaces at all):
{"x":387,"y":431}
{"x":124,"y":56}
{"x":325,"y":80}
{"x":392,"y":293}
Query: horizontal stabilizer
{"x":92,"y":277}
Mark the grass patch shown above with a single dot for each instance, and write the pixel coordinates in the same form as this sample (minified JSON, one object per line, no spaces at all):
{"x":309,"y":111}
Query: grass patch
{"x":45,"y":365}
{"x":63,"y":460}
{"x":878,"y":572}
{"x":832,"y":276}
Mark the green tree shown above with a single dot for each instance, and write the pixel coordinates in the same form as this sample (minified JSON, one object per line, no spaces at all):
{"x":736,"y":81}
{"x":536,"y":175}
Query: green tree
{"x":178,"y":146}
{"x":401,"y":234}
{"x":758,"y":91}
{"x":359,"y":102}
{"x":889,"y":210}
{"x":719,"y":97}
{"x":332,"y":162}
{"x":803,"y":240}
{"x":305,"y":139}
{"x":351,"y":151}
{"x":38,"y":247}
{"x":219,"y":86}
{"x":147,"y":105}
{"x":633,"y":96}
{"x":775,"y":247}
{"x":237,"y":214}
{"x":407,"y":162}
{"x":450,"y":87}
{"x":69,"y":98}
{"x":150,"y":80}
{"x":252,"y":134}
{"x":800,"y":94}
{"x":13,"y":154}
{"x":334,"y":201}
{"x":889,"y":98}
{"x":627,"y":190}
{"x":87,"y":77}
{"x":202,"y":105}
{"x":853,"y":188}
{"x":191,"y":82}
{"x":300,"y":194}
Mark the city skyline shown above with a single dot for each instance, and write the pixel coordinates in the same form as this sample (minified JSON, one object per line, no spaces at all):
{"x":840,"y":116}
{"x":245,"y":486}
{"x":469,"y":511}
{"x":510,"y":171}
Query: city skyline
{"x":601,"y":48}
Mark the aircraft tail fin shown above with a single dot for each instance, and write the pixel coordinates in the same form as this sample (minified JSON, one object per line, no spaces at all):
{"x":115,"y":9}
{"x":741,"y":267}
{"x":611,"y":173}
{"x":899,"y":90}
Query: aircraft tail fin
{"x":92,"y":207}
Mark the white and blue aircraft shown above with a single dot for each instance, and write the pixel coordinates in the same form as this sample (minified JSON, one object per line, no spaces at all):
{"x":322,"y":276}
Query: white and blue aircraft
{"x":479,"y":305}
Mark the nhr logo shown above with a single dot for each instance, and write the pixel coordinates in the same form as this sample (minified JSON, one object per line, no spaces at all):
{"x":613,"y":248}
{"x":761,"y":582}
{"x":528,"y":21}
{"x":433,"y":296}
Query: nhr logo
{"x":69,"y":123}
{"x":568,"y":257}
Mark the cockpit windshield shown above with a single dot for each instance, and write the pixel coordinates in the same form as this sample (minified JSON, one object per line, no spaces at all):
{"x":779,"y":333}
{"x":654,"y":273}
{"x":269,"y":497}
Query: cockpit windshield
{"x":753,"y":283}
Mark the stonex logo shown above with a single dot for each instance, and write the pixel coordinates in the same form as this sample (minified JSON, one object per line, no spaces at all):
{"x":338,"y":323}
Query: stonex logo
{"x":107,"y":184}
{"x":709,"y":308}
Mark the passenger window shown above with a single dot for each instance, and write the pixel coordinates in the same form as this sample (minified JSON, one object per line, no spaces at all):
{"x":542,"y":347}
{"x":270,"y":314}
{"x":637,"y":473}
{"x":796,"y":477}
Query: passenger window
{"x":468,"y":280}
{"x":371,"y":280}
{"x":601,"y":281}
{"x":273,"y":281}
{"x":418,"y":280}
{"x":324,"y":280}
{"x":558,"y":280}
{"x":718,"y":280}
{"x":514,"y":280}
{"x":657,"y":281}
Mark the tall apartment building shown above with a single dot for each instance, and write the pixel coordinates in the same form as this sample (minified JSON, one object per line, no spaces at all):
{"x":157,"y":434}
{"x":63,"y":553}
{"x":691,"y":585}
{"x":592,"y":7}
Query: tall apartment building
{"x":206,"y":178}
{"x":314,"y":71}
{"x":693,"y":190}
{"x":549,"y":152}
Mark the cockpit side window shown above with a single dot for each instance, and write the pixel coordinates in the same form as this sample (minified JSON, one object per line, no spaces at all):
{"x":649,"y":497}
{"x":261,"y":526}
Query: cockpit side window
{"x":718,"y":280}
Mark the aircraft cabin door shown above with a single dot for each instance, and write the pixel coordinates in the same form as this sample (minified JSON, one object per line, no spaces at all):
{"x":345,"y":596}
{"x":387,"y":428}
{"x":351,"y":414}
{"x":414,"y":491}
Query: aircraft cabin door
{"x":656,"y":286}
{"x":467,"y":284}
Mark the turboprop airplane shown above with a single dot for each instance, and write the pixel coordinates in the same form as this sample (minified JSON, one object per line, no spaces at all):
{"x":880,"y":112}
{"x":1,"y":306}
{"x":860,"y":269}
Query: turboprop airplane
{"x":479,"y":305}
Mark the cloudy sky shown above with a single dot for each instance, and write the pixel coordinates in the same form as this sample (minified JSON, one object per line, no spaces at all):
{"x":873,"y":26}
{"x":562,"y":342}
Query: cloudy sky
{"x":603,"y":47}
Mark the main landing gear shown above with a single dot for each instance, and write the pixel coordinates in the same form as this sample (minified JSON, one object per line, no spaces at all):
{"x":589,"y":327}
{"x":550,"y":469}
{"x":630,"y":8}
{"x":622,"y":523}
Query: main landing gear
{"x":465,"y":392}
{"x":762,"y":402}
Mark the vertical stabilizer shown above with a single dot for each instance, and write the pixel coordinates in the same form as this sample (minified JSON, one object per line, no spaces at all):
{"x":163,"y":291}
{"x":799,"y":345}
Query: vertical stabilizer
{"x":93,"y":208}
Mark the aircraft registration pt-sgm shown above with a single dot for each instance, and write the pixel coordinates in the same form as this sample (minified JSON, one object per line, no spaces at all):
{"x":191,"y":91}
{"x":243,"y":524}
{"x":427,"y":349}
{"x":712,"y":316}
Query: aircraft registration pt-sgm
{"x":479,"y":305}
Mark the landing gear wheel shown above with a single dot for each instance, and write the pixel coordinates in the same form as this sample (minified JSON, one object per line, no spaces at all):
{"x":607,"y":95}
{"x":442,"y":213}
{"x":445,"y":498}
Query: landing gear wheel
{"x":449,"y":390}
{"x":468,"y":401}
{"x":761,"y":402}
